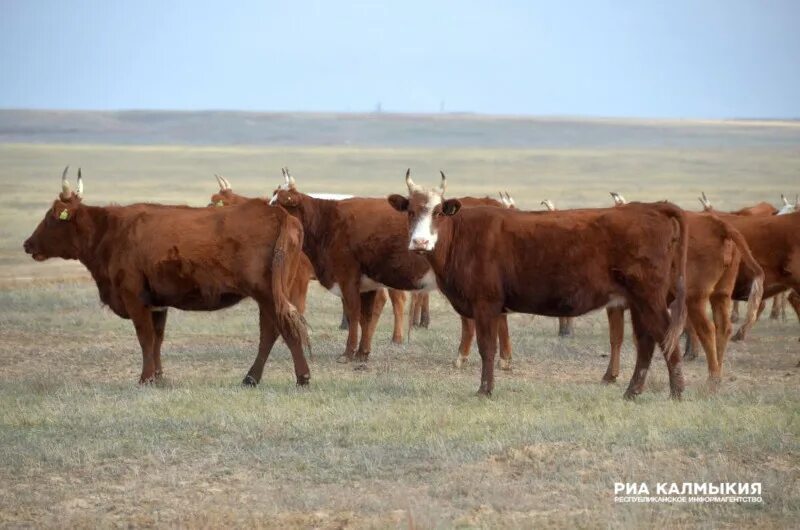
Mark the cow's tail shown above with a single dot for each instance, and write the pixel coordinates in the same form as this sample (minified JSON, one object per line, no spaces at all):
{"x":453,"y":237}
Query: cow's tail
{"x":285,"y":257}
{"x":756,"y":288}
{"x":677,"y":308}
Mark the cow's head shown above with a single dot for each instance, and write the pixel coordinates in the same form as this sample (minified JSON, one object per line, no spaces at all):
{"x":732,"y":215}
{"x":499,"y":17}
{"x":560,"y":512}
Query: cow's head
{"x":225,"y":196}
{"x":788,"y":207}
{"x":508,"y":201}
{"x":426,"y":209}
{"x":57,"y":235}
{"x":286,"y":194}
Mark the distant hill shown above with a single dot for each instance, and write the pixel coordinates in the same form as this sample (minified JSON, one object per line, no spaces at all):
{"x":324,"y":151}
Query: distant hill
{"x":407,"y":130}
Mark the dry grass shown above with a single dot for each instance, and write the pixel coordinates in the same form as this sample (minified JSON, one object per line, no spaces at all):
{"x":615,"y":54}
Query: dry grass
{"x":405,"y":443}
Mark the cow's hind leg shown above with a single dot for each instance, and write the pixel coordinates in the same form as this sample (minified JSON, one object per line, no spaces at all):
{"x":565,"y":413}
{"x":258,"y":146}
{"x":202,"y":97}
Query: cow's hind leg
{"x":692,"y":345}
{"x":707,"y":333}
{"x":616,"y":332}
{"x":645,"y":345}
{"x":159,"y":324}
{"x":735,"y":312}
{"x":268,"y":333}
{"x":505,"y":343}
{"x":721,"y":309}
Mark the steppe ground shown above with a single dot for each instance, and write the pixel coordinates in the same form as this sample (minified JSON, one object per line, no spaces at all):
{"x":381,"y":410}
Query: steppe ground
{"x":406,"y":443}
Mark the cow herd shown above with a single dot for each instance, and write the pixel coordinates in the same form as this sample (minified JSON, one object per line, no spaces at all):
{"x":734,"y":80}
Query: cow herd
{"x":663,"y":264}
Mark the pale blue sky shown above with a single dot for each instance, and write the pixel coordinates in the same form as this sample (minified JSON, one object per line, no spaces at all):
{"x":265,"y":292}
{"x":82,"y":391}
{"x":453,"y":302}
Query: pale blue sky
{"x":680,"y":58}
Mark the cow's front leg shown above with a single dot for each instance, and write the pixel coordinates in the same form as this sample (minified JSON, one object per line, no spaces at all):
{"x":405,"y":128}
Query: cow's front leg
{"x":159,"y":324}
{"x":486,"y":330}
{"x":352,"y":307}
{"x":142,"y":319}
{"x":467,"y":334}
{"x":372,"y":303}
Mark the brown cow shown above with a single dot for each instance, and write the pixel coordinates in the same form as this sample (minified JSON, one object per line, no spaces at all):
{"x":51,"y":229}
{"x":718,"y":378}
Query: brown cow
{"x":420,"y":302}
{"x":491,"y":261}
{"x":226,"y":196}
{"x":775,"y":243}
{"x":146,"y":257}
{"x":715,"y":252}
{"x":357,"y":245}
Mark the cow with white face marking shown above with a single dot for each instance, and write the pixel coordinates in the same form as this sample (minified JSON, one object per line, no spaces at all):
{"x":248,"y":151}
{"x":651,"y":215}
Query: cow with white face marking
{"x":485,"y":259}
{"x":357,"y":246}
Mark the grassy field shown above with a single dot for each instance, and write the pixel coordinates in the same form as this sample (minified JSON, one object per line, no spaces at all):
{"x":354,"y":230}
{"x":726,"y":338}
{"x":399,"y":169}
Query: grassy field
{"x":405,"y":444}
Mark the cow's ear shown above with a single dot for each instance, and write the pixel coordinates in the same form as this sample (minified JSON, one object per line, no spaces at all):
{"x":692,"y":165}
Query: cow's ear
{"x":398,"y":202}
{"x":451,"y":206}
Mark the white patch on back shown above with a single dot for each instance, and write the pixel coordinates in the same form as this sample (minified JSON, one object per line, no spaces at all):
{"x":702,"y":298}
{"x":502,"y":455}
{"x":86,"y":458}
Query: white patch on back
{"x":330,"y":196}
{"x":423,"y":228}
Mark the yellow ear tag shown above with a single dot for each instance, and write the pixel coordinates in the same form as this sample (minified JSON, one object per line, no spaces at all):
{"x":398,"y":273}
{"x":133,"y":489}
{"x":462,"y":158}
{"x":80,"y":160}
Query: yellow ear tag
{"x":220,"y":203}
{"x":64,"y":215}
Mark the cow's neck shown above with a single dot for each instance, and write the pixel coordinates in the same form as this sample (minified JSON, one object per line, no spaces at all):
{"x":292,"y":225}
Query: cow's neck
{"x":93,"y":222}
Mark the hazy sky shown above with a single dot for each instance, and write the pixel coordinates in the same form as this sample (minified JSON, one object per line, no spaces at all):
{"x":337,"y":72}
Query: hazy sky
{"x":678,"y":58}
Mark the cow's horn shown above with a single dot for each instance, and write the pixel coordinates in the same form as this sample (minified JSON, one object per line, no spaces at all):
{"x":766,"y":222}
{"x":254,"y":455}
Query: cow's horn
{"x":219,"y":182}
{"x":226,"y":182}
{"x":443,"y":185}
{"x":289,"y":178}
{"x":65,"y":190}
{"x":785,"y":201}
{"x":80,"y":184}
{"x":412,"y":186}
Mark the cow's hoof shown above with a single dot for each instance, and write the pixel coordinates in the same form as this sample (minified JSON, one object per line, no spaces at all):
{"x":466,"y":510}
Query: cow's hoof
{"x":397,"y":340}
{"x":303,"y":380}
{"x":460,"y":361}
{"x":630,"y":395}
{"x":249,"y":380}
{"x":159,"y":375}
{"x":676,"y":395}
{"x":609,"y":379}
{"x":713,"y":383}
{"x":483,"y":393}
{"x":361,"y":367}
{"x":690,"y":356}
{"x":504,"y":364}
{"x":147,"y":380}
{"x":738,"y":336}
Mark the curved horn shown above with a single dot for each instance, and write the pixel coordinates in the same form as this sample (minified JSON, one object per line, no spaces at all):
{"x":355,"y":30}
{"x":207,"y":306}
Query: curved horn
{"x":289,"y":178}
{"x":443,"y":185}
{"x":549,"y":205}
{"x":219,"y":182}
{"x":226,"y":182}
{"x":65,"y":190}
{"x":785,"y":201}
{"x":80,"y":184}
{"x":412,"y":186}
